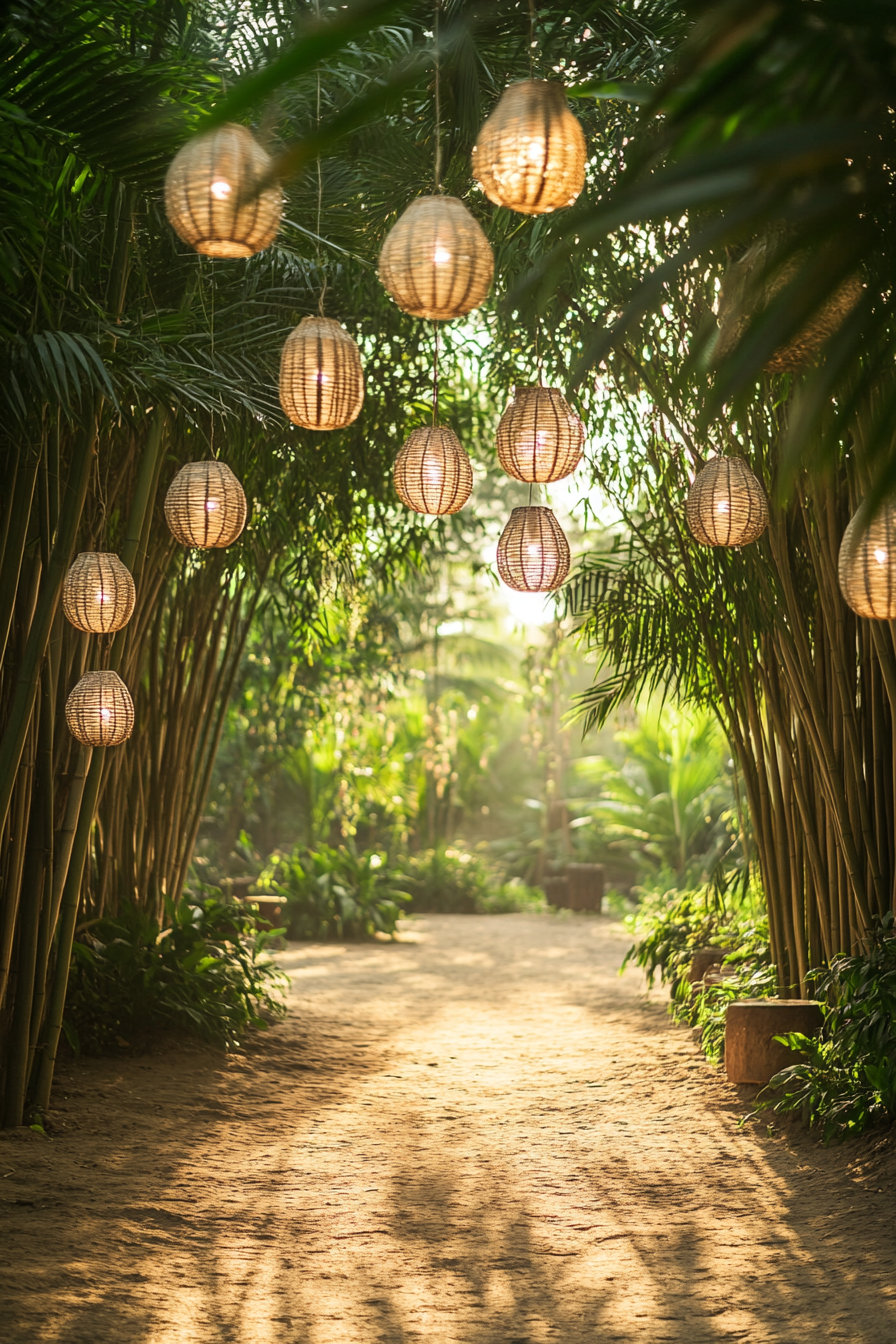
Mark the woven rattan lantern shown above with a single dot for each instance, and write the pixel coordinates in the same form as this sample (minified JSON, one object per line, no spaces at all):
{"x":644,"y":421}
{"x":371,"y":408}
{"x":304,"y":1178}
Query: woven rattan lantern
{"x":867,"y":567}
{"x":533,"y":553}
{"x":530,"y":156}
{"x":432,"y":472}
{"x":205,"y":506}
{"x":436,"y":262}
{"x":321,"y":382}
{"x":100,"y":712}
{"x":98,"y":595}
{"x":212,"y":197}
{"x":539,"y":437}
{"x":726,"y":504}
{"x":744,"y":295}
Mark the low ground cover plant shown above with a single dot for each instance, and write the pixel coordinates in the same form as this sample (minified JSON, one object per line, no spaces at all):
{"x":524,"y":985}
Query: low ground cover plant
{"x":203,"y":970}
{"x":332,"y":892}
{"x":451,"y":880}
{"x":847,"y":1083}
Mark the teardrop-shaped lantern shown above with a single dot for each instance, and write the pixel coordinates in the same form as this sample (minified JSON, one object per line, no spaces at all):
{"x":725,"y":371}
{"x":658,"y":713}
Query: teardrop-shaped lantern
{"x":533,"y":553}
{"x":212,"y":197}
{"x":205,"y":506}
{"x":867,"y":564}
{"x":98,"y":595}
{"x":436,"y":262}
{"x":726,"y":504}
{"x":540,"y":438}
{"x":530,"y":155}
{"x":321,"y":382}
{"x":100,"y":712}
{"x":432,"y":471}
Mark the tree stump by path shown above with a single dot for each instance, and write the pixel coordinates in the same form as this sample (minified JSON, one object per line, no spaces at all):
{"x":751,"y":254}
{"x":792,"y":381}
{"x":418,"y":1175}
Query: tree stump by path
{"x":702,"y":959}
{"x":586,"y":886}
{"x":556,"y":890}
{"x":752,"y":1055}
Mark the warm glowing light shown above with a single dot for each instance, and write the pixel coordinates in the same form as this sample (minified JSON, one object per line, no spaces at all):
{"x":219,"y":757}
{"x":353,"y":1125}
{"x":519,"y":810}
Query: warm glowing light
{"x":220,"y":190}
{"x":102,"y":598}
{"x":211,"y":505}
{"x":105,"y":714}
{"x":723,"y":506}
{"x":441,"y":257}
{"x":880,"y":556}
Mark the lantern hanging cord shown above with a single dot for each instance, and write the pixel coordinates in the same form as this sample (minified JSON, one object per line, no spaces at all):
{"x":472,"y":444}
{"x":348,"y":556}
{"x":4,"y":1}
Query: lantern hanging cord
{"x":320,"y":194}
{"x":435,"y":376}
{"x":438,"y":135}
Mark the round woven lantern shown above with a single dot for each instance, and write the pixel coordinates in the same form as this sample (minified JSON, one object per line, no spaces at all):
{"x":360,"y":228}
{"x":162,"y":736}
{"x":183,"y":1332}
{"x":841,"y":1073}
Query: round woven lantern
{"x":321,"y":382}
{"x":432,"y":472}
{"x":533,"y":553}
{"x":100,"y":712}
{"x":726,"y":504}
{"x":867,"y":565}
{"x":212,"y":197}
{"x":530,"y":155}
{"x":540,"y":438}
{"x":744,"y":295}
{"x":205,"y":506}
{"x":98,"y":595}
{"x":436,"y":262}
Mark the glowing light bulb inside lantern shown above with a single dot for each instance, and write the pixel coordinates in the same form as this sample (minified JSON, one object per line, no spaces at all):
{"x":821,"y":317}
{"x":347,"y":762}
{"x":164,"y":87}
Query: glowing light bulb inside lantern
{"x":441,"y":256}
{"x":433,"y":473}
{"x":880,"y":556}
{"x":535,"y":151}
{"x":211,"y":505}
{"x":723,"y":506}
{"x":533,"y":549}
{"x":220,"y":190}
{"x":105,"y":714}
{"x":321,"y":377}
{"x":102,"y":598}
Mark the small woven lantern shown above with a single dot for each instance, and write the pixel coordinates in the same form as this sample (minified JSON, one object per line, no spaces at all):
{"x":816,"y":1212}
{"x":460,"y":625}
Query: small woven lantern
{"x":530,"y":156}
{"x":533,"y":553}
{"x":321,"y":382}
{"x":212,"y":197}
{"x":867,"y":565}
{"x":436,"y":262}
{"x":98,"y":595}
{"x":205,"y":505}
{"x":100,"y":712}
{"x":726,"y":504}
{"x":432,"y":472}
{"x":744,"y":295}
{"x":539,"y":436}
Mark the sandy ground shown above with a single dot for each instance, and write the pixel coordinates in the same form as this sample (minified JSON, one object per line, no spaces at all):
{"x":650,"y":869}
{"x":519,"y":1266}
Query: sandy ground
{"x":480,"y":1135}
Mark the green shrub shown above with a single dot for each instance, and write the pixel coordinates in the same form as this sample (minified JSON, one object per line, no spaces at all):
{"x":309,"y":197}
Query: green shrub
{"x":671,"y":926}
{"x":203,"y":971}
{"x":453,"y":881}
{"x":848,"y":1082}
{"x":334,"y":893}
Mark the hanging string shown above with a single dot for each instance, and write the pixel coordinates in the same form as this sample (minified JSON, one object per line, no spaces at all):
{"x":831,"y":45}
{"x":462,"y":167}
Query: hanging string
{"x":212,"y":324}
{"x":320,"y":193}
{"x":438,"y":101}
{"x":435,"y":376}
{"x":532,"y":18}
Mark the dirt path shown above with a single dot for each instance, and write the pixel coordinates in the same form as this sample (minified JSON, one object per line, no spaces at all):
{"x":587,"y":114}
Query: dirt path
{"x":484,"y":1135}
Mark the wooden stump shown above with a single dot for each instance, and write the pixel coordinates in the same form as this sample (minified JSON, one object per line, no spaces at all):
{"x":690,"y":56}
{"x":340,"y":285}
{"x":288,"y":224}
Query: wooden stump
{"x":556,"y":890}
{"x":701,"y":961}
{"x":752,"y":1055}
{"x":586,"y":886}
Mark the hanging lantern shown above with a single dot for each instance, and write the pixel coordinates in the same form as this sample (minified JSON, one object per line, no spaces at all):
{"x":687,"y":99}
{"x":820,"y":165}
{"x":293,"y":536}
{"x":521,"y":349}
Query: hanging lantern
{"x":321,"y":382}
{"x":98,"y":595}
{"x":533,"y":553}
{"x":726,"y":504}
{"x":432,"y":472}
{"x":205,"y":505}
{"x":539,"y":436}
{"x":212,"y":197}
{"x":436,"y":262}
{"x":100,"y":712}
{"x":867,"y":565}
{"x":530,"y":155}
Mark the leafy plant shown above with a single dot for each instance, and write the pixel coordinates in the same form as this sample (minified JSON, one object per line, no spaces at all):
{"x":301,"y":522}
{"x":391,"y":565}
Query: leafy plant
{"x":848,"y":1080}
{"x":202,"y":970}
{"x":452,"y":881}
{"x":334,"y":892}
